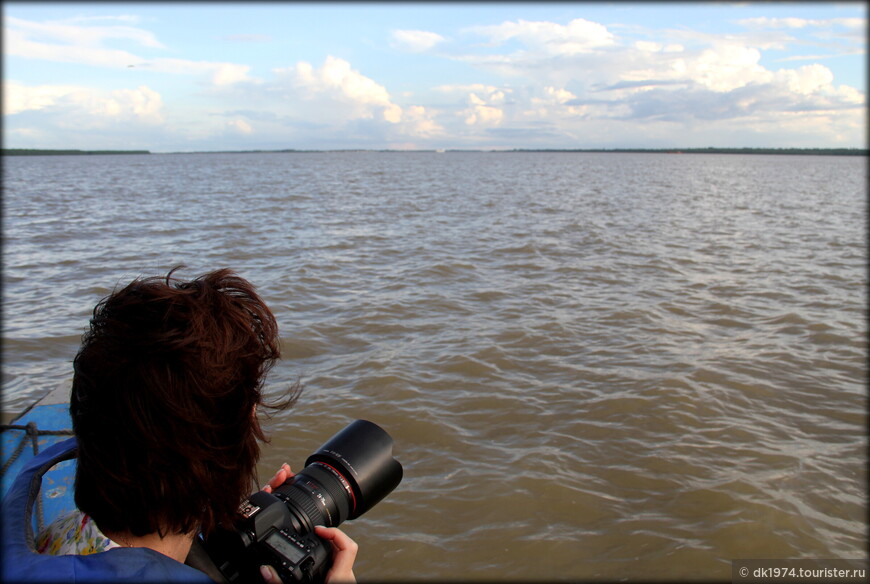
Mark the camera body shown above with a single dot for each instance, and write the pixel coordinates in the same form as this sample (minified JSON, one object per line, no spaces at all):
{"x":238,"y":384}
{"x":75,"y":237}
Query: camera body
{"x":343,"y":479}
{"x":266,"y":534}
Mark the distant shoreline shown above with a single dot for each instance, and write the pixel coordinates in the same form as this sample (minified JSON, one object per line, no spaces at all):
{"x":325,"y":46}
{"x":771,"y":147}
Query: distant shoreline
{"x":39,"y":152}
{"x":709,"y":150}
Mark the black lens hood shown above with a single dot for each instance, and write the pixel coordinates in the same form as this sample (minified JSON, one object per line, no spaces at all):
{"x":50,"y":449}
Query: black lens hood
{"x":363,"y":454}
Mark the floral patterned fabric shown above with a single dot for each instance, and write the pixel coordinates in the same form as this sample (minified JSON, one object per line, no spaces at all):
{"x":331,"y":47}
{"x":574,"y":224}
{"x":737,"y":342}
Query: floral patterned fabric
{"x":73,"y":534}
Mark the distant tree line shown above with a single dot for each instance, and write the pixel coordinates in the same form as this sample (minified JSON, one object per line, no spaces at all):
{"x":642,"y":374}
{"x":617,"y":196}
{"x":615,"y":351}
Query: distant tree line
{"x":712,"y":150}
{"x":38,"y":152}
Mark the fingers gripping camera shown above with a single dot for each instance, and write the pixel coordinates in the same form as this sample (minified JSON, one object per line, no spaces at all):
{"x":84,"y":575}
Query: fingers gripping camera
{"x":343,"y":479}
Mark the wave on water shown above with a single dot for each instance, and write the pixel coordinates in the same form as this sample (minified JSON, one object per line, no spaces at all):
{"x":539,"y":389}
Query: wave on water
{"x":594,"y":366}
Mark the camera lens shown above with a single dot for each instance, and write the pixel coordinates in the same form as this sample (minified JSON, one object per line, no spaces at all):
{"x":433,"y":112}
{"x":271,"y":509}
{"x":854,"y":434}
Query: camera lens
{"x":318,"y":495}
{"x":343,"y":479}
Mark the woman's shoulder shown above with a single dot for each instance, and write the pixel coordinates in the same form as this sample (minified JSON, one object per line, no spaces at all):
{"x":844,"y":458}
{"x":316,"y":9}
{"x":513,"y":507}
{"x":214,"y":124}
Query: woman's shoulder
{"x":75,"y":533}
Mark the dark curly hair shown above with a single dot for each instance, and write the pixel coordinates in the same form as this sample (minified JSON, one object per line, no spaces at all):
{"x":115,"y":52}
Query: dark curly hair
{"x":164,"y":403}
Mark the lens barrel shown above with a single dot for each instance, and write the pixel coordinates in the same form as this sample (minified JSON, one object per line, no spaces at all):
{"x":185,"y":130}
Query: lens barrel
{"x":344,"y":478}
{"x":316,"y":496}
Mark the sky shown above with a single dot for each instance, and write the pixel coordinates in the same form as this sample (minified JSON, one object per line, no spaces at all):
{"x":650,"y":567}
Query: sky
{"x":179,"y":77}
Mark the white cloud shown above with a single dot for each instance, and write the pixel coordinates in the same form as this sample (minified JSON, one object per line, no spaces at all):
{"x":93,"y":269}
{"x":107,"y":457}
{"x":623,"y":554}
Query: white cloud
{"x":217,"y":73}
{"x":806,"y":80}
{"x":478,"y":93}
{"x":559,"y":95}
{"x":76,"y":35}
{"x":764,"y":22}
{"x":17,"y":44}
{"x":415,"y":41}
{"x":550,"y":38}
{"x":63,"y":42}
{"x":84,"y":107}
{"x":483,"y":115}
{"x":18,"y":97}
{"x":716,"y":64}
{"x":726,"y":67}
{"x":420,"y":123}
{"x":474,"y":87}
{"x":683,"y":80}
{"x":849,"y":31}
{"x":240,"y":127}
{"x":553,"y":105}
{"x":649,"y":46}
{"x":118,"y":17}
{"x":481,"y":104}
{"x":227,"y":73}
{"x":142,"y":104}
{"x":558,"y":83}
{"x":484,"y":112}
{"x":336,"y":80}
{"x":334,"y":102}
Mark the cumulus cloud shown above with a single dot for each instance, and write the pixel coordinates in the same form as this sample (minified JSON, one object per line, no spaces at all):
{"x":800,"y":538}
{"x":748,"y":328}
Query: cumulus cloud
{"x":485,"y":110}
{"x":336,"y":80}
{"x":83,"y":106}
{"x":415,"y":41}
{"x":419,"y":122}
{"x":482,"y":105}
{"x":771,"y":95}
{"x":581,"y":71}
{"x":724,"y":68}
{"x":240,"y":127}
{"x":333,"y":103}
{"x":483,"y":115}
{"x":18,"y":97}
{"x":568,"y":83}
{"x":559,"y":95}
{"x":553,"y":104}
{"x":575,"y":83}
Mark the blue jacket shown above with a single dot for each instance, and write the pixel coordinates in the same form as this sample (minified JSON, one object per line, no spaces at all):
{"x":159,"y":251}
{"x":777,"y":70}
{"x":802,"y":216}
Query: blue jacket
{"x":21,"y":562}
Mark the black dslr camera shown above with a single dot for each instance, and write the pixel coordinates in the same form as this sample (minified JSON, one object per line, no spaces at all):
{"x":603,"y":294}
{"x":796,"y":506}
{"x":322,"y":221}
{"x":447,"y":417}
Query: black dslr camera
{"x":343,"y":479}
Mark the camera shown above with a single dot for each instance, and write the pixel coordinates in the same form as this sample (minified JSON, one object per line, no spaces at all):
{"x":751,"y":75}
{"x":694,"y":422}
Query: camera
{"x":343,"y":479}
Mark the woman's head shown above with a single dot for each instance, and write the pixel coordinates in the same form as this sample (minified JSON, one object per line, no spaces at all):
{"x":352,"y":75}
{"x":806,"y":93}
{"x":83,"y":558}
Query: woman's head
{"x":164,"y":398}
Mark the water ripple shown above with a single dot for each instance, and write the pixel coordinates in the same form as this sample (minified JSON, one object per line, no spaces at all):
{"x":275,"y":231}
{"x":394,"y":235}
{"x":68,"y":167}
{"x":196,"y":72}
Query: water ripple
{"x":594,"y":366}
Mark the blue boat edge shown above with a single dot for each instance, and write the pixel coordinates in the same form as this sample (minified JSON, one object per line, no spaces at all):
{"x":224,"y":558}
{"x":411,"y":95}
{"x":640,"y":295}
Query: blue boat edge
{"x":45,"y":423}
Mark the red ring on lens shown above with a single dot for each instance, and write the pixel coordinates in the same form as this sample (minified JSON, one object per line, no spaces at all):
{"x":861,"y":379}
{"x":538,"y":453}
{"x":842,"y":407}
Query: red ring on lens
{"x":343,"y":482}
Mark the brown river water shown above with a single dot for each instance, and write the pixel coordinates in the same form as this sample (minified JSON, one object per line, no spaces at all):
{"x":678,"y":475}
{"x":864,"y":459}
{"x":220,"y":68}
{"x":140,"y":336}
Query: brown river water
{"x":594,"y":366}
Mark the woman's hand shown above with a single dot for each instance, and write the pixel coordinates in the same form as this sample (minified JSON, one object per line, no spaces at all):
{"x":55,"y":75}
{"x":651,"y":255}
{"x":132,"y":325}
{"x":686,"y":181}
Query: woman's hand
{"x":282,"y":476}
{"x":344,"y":549}
{"x":343,"y":554}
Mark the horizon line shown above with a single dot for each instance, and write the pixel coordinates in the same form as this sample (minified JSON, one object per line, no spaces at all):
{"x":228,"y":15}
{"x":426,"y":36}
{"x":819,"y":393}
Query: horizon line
{"x":666,"y":150}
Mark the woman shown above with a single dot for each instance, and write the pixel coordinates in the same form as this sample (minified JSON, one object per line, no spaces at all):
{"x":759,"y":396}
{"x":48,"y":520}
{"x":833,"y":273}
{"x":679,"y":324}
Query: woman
{"x":165,"y":394}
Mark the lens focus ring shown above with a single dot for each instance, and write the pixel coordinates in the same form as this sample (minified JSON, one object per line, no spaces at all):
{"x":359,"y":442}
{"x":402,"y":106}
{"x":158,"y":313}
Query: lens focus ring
{"x":299,"y":498}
